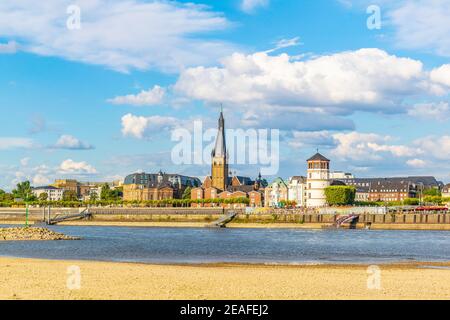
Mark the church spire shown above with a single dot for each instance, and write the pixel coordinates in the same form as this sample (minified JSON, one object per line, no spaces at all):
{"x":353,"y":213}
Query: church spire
{"x":220,"y":149}
{"x":219,"y":165}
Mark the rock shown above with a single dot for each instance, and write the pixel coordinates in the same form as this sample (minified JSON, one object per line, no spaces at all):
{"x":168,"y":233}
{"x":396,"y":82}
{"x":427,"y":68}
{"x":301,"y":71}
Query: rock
{"x":32,"y":233}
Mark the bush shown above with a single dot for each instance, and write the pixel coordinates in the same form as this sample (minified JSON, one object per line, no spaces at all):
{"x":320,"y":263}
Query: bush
{"x":368,"y":203}
{"x":411,"y":202}
{"x":340,"y":195}
{"x":433,"y":199}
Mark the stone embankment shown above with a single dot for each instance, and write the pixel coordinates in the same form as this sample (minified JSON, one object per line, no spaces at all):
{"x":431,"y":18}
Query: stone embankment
{"x":31,"y":233}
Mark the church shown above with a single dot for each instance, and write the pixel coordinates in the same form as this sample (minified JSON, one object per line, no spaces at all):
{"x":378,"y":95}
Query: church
{"x":221,"y":185}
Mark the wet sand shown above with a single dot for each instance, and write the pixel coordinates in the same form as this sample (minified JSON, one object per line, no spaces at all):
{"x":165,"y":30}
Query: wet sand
{"x":49,"y":279}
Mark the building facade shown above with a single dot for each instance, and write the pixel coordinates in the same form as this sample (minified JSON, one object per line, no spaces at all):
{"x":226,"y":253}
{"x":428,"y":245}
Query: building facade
{"x":297,"y":190}
{"x":275,"y":193}
{"x":388,"y":190}
{"x":446,"y":191}
{"x":318,"y":178}
{"x":53,"y":193}
{"x":67,"y":185}
{"x":160,"y":186}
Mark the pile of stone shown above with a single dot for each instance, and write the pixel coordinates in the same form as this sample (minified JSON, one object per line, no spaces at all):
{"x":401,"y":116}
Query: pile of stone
{"x":32,"y":233}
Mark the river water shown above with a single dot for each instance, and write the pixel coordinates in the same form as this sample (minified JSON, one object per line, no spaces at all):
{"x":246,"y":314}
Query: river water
{"x":203,"y":245}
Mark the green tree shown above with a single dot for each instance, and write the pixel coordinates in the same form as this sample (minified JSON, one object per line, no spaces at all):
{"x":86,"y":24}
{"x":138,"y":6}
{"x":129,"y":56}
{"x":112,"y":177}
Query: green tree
{"x":187,"y":193}
{"x":340,"y":195}
{"x":43,"y":196}
{"x":105,"y":193}
{"x":70,"y":195}
{"x":433,"y":192}
{"x":93,"y":196}
{"x":4,"y":196}
{"x":111,"y":194}
{"x":23,"y":191}
{"x":433,"y":199}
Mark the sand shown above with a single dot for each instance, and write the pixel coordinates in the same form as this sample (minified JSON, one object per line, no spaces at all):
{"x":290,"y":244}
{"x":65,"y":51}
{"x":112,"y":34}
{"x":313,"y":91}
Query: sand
{"x":49,"y":279}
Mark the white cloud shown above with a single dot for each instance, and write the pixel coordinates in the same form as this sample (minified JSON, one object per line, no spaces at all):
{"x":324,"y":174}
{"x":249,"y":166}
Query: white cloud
{"x":24,"y":161}
{"x":8,"y":48}
{"x":422,"y":24}
{"x":366,"y":79}
{"x":71,"y":143}
{"x":121,"y":35}
{"x":278,"y":117}
{"x":311,"y":138}
{"x":412,"y":24}
{"x":441,"y":75}
{"x":437,"y":147}
{"x":143,"y":127}
{"x":285,"y":43}
{"x":416,"y":163}
{"x":71,"y":167}
{"x":439,"y":111}
{"x":39,"y":180}
{"x":250,"y":6}
{"x":12,"y":142}
{"x":369,"y":146}
{"x":150,"y":97}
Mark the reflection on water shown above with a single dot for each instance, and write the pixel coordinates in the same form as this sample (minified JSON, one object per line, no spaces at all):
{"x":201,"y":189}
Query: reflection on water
{"x":202,"y":245}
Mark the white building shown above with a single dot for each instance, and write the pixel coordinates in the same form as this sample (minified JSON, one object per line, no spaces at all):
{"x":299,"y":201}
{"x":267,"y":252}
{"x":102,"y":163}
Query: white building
{"x":336,"y":175}
{"x":297,"y":190}
{"x":275,"y":192}
{"x":53,"y":193}
{"x":446,"y":191}
{"x":317,"y":180}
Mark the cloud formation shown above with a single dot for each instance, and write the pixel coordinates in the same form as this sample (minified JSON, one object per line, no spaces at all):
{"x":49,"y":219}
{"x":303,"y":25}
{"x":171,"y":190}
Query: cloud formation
{"x":71,"y":143}
{"x":149,"y":97}
{"x":145,"y":127}
{"x":121,"y":35}
{"x":78,"y":168}
{"x":8,"y":48}
{"x":441,"y":75}
{"x":250,"y":6}
{"x":416,"y":163}
{"x":422,"y":24}
{"x":366,"y":79}
{"x":413,"y":24}
{"x":14,"y":142}
{"x":439,"y":111}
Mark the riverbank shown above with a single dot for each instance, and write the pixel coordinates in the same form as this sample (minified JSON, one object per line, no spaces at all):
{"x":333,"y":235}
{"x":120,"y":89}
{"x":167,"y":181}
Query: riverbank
{"x":48,"y":279}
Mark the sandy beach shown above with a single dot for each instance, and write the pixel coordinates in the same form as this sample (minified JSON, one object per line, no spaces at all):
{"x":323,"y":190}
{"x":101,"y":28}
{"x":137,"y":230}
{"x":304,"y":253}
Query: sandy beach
{"x":48,"y":279}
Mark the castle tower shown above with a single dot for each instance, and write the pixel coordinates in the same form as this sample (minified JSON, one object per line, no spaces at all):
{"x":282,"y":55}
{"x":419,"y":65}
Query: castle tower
{"x":318,"y":179}
{"x":219,"y":165}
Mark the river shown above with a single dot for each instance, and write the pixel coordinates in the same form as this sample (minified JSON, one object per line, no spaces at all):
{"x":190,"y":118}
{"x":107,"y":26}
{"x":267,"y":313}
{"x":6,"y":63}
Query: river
{"x":204,"y":245}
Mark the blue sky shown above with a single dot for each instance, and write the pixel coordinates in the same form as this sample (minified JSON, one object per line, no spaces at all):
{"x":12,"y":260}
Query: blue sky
{"x":100,"y":102}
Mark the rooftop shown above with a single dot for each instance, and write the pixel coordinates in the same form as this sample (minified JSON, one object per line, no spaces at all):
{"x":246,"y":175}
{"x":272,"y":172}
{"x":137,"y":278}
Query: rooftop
{"x":318,"y":157}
